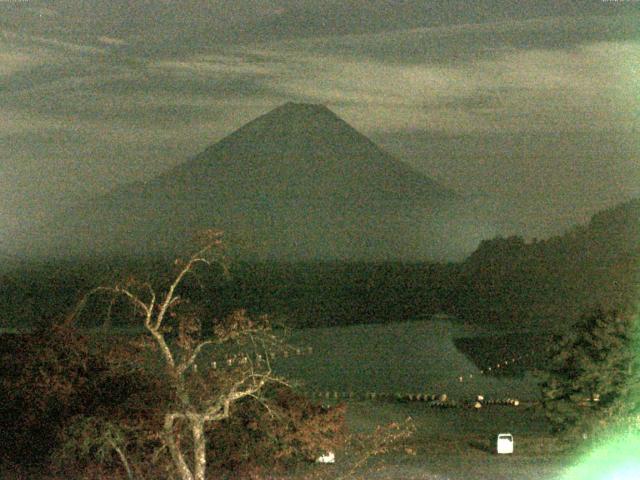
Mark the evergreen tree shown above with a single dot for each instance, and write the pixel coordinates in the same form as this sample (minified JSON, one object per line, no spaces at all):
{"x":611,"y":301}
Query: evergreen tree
{"x":592,"y":373}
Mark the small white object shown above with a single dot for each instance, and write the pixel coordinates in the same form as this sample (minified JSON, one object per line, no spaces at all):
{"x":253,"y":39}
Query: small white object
{"x":505,"y":443}
{"x":328,"y":457}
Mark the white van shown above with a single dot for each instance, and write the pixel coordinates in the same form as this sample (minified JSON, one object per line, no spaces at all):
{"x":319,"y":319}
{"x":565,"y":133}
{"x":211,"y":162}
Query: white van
{"x":505,"y":443}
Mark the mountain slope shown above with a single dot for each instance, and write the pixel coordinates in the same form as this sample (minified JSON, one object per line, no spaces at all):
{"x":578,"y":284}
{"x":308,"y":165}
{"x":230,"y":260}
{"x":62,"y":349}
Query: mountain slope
{"x":295,"y":183}
{"x":551,"y":283}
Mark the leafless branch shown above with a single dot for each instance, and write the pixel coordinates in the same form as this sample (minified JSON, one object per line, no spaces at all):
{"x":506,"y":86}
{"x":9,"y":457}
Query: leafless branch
{"x":115,"y":290}
{"x":170,"y":297}
{"x":194,"y":355}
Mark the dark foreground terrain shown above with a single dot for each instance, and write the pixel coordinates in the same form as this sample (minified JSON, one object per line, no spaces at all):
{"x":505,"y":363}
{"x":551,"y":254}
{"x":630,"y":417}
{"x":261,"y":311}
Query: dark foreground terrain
{"x":451,"y":444}
{"x":458,"y":444}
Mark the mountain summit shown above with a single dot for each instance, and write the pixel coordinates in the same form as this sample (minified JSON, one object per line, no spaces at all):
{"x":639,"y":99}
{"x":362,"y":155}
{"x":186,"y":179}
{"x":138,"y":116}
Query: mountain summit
{"x":306,"y":151}
{"x":295,"y":183}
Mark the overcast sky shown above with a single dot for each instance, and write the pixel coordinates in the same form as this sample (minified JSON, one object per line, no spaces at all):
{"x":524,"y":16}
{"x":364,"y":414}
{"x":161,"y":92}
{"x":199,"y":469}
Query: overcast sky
{"x":535,"y":104}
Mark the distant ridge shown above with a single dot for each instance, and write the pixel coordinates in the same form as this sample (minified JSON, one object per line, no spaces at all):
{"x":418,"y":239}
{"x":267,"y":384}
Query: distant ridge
{"x":551,"y":283}
{"x":295,"y":183}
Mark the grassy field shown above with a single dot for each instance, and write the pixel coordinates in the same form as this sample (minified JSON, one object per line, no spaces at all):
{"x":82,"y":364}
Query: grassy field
{"x":421,"y":357}
{"x":458,"y":444}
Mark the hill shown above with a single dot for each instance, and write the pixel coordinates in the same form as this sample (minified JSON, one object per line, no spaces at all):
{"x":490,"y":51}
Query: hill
{"x":295,"y":183}
{"x":552,"y":282}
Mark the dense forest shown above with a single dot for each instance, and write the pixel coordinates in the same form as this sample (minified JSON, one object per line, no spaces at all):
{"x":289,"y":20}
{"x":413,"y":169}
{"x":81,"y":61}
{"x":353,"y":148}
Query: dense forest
{"x":552,"y":282}
{"x":506,"y":282}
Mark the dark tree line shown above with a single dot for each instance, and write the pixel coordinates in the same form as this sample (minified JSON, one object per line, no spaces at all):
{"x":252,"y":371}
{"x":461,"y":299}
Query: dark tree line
{"x":593,"y":376}
{"x":552,"y":283}
{"x":505,"y":282}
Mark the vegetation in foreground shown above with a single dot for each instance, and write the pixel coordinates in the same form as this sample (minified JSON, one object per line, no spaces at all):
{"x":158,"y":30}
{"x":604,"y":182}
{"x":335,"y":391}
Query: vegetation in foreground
{"x":161,"y":404}
{"x":593,"y":376}
{"x":454,"y":443}
{"x":106,"y":406}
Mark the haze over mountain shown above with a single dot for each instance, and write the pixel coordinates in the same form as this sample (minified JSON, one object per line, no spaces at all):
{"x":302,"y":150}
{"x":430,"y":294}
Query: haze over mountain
{"x":295,"y":183}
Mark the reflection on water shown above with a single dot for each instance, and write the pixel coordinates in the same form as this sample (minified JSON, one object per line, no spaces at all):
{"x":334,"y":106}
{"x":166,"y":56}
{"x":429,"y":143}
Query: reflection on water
{"x":417,"y":356}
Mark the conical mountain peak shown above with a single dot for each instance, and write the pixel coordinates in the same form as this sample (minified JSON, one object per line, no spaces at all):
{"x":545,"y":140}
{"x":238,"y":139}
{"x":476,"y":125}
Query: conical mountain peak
{"x":298,"y":116}
{"x":302,"y":107}
{"x":297,"y":182}
{"x":302,"y":150}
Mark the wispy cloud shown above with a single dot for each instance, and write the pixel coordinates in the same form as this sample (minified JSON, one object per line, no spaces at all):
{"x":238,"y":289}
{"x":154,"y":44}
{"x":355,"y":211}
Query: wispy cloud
{"x":35,"y":40}
{"x":583,"y":85}
{"x":587,"y":86}
{"x":240,"y":63}
{"x":17,"y":55}
{"x":11,"y":62}
{"x":462,"y":43}
{"x":111,"y":41}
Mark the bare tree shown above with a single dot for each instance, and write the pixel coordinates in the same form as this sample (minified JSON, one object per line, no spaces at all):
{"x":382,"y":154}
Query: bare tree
{"x":207,"y":373}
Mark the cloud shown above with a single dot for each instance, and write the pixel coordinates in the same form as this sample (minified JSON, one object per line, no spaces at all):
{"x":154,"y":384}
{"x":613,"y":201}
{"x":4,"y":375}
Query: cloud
{"x":150,"y":93}
{"x":16,"y":122}
{"x":11,"y":62}
{"x":52,"y":43}
{"x":230,"y":64}
{"x":111,"y":102}
{"x":583,"y":85}
{"x":467,"y":42}
{"x":111,"y":41}
{"x":17,"y":56}
{"x":587,"y":86}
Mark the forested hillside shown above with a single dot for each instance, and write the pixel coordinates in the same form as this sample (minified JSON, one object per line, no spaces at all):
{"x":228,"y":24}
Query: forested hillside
{"x":506,"y":282}
{"x":552,"y":282}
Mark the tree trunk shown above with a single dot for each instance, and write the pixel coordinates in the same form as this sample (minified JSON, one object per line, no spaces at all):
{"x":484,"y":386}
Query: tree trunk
{"x":174,"y":449}
{"x":199,"y":448}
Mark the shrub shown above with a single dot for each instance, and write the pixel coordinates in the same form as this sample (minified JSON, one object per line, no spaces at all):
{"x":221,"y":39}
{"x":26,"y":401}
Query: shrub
{"x":72,"y":402}
{"x":290,"y":430}
{"x":45,"y":379}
